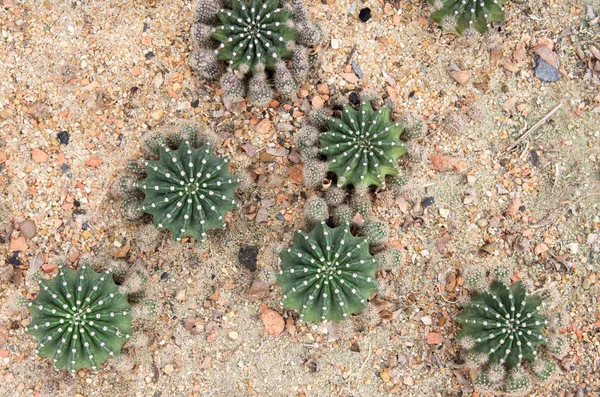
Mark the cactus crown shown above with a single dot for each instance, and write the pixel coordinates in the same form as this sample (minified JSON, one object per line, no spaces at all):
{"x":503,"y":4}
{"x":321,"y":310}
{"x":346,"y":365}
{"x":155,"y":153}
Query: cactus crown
{"x":504,"y":324}
{"x":254,"y":35}
{"x":187,"y":190}
{"x":79,"y":318}
{"x":363,"y":146}
{"x":469,"y":14}
{"x":327,"y":274}
{"x":261,"y":43}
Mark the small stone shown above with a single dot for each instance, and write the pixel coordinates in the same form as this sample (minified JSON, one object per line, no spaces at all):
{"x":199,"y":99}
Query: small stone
{"x":544,"y":71}
{"x":39,"y":156}
{"x":247,"y":256}
{"x":433,"y":338}
{"x":5,"y":114}
{"x":335,"y":44}
{"x":157,"y":114}
{"x":428,"y":202}
{"x":181,"y":294}
{"x":169,"y":369}
{"x":273,"y":322}
{"x":27,"y":229}
{"x":408,"y":381}
{"x":353,"y":98}
{"x":234,"y":335}
{"x":63,"y":137}
{"x":365,"y":14}
{"x":444,"y":212}
{"x":426,"y":320}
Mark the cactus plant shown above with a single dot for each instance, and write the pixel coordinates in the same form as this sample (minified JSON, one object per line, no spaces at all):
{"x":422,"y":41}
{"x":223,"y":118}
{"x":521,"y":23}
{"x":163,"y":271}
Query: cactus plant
{"x":315,"y":210}
{"x":187,"y":190}
{"x":327,"y":274}
{"x":80,"y":319}
{"x":468,"y":14}
{"x":253,"y":39}
{"x":503,"y":328}
{"x":362,"y":147}
{"x":504,"y":323}
{"x":375,"y":231}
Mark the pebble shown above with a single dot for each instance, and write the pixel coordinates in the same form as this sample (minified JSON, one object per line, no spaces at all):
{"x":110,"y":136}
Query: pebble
{"x":444,"y":213}
{"x":426,"y":320}
{"x":365,"y":14}
{"x":63,"y":137}
{"x":27,"y":229}
{"x":5,"y":114}
{"x":169,"y":369}
{"x":544,"y":71}
{"x":335,"y":44}
{"x":157,"y":114}
{"x":180,"y":295}
{"x":234,"y":335}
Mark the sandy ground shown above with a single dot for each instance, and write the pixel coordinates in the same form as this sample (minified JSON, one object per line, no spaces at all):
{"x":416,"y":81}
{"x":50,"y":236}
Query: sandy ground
{"x":109,"y":72}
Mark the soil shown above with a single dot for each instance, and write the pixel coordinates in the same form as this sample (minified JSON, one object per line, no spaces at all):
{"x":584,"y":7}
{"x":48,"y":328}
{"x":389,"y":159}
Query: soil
{"x":83,"y":82}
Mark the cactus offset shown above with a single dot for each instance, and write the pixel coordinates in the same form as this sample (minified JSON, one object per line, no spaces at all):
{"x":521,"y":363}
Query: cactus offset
{"x":468,"y":14}
{"x":362,"y":147}
{"x":252,"y":37}
{"x":327,"y":274}
{"x":80,"y":319}
{"x":187,"y":190}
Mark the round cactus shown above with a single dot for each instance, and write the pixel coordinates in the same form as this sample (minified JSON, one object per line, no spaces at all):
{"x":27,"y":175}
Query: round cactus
{"x":375,"y":231}
{"x":503,"y":328}
{"x":468,"y":14}
{"x":342,"y":214}
{"x":363,"y":146}
{"x":335,"y":195}
{"x":80,"y":319}
{"x":504,"y":324}
{"x":187,"y":191}
{"x":327,"y":274}
{"x":252,"y":37}
{"x":315,"y":210}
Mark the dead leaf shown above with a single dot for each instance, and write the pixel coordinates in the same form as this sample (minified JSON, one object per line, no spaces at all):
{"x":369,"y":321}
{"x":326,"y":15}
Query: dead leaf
{"x":496,"y":54}
{"x":121,"y":252}
{"x":258,"y":290}
{"x":249,"y":149}
{"x":460,"y":76}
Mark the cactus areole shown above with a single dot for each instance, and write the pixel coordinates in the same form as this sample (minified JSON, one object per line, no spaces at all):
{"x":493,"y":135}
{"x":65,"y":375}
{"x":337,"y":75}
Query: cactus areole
{"x":80,"y":319}
{"x":327,"y":274}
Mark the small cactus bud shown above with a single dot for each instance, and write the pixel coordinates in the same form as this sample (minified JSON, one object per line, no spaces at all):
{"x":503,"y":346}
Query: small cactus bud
{"x":335,"y":195}
{"x":342,"y":214}
{"x":206,"y":64}
{"x":284,"y":81}
{"x":233,"y":85}
{"x":259,"y":91}
{"x":375,"y":231}
{"x":315,"y":210}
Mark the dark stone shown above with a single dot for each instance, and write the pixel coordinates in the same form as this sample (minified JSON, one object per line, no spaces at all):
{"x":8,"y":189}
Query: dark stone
{"x":355,"y":347}
{"x":544,"y":71}
{"x":247,"y":256}
{"x":164,"y":276}
{"x":353,"y":98}
{"x":76,"y":203}
{"x":365,"y":14}
{"x":195,"y":103}
{"x":149,"y":55}
{"x":14,"y":259}
{"x":428,"y":202}
{"x":63,"y":137}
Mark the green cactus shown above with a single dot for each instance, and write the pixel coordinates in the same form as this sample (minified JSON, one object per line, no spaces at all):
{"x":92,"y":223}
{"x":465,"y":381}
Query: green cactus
{"x":342,"y":214}
{"x":375,"y":231}
{"x":504,"y":324}
{"x":80,"y":319}
{"x":335,"y":195}
{"x":252,"y":37}
{"x":468,"y":14}
{"x":362,"y":147}
{"x":187,"y":191}
{"x":328,"y":274}
{"x":315,"y":210}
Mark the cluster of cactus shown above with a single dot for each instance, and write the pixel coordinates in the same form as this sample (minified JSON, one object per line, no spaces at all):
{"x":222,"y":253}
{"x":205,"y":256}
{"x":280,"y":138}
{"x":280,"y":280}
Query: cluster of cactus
{"x":186,"y":189}
{"x":506,"y":330}
{"x":245,"y":42}
{"x":464,"y":15}
{"x":80,"y":319}
{"x":327,"y":274}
